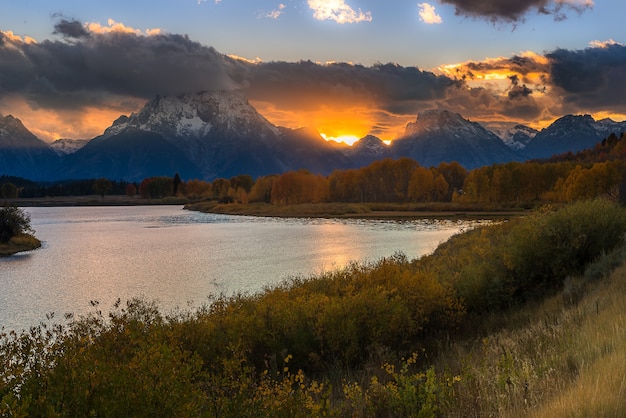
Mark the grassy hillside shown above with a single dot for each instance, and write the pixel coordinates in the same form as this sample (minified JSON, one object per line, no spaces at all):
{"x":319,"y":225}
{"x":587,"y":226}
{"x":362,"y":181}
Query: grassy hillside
{"x":522,"y":318}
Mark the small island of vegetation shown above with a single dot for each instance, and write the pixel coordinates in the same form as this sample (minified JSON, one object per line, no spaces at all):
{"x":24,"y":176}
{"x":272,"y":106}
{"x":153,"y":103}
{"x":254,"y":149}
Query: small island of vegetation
{"x":16,"y":234}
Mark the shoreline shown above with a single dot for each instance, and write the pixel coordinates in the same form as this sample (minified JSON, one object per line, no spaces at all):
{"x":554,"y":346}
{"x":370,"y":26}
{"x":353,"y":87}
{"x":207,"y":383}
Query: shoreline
{"x":19,"y":244}
{"x":93,"y":200}
{"x":312,"y":210}
{"x":355,"y":211}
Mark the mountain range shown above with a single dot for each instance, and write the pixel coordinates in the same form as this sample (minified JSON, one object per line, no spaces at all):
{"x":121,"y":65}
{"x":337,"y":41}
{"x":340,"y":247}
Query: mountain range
{"x":219,"y":134}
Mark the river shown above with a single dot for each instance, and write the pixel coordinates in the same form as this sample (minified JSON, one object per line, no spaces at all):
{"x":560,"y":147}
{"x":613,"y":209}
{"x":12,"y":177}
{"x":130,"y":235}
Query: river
{"x":179,"y":258}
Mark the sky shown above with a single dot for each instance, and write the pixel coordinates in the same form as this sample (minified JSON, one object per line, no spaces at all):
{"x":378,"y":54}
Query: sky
{"x":348,"y":68}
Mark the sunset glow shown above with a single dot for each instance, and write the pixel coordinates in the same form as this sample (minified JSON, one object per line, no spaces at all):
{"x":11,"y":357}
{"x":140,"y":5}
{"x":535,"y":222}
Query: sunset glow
{"x":348,"y":139}
{"x":345,"y":69}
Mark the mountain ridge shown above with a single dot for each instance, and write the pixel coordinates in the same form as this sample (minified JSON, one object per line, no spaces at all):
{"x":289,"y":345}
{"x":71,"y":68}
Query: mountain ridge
{"x":219,"y":134}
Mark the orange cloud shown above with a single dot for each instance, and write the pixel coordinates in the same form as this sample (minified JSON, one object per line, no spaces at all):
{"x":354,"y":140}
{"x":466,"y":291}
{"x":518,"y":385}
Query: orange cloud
{"x":337,"y":121}
{"x":10,"y":36}
{"x":52,"y":124}
{"x":117,"y":27}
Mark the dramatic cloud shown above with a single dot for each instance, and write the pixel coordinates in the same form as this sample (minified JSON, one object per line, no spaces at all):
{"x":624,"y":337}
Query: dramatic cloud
{"x":515,"y":10}
{"x":342,"y":93}
{"x":71,"y":29}
{"x":593,"y":78}
{"x":118,"y":60}
{"x":93,"y":73}
{"x":428,"y":15}
{"x":338,"y":11}
{"x":116,"y":70}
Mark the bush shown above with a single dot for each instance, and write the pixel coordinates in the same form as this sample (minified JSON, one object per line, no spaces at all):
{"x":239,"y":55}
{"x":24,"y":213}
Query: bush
{"x":528,"y":257}
{"x":13,"y":222}
{"x":547,"y":247}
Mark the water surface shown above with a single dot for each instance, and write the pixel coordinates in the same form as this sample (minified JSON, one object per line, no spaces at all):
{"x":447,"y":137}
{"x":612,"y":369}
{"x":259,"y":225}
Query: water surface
{"x":178,"y":258}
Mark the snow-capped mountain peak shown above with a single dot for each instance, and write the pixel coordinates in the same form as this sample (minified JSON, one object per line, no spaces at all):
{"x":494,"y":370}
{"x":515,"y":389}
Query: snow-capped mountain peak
{"x":517,"y":137}
{"x":68,"y":146}
{"x":196,"y":115}
{"x":444,"y":123}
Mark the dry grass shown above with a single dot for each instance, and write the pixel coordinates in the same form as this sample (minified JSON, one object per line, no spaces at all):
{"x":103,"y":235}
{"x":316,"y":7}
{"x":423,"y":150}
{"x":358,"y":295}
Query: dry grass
{"x":23,"y":242}
{"x":554,"y":359}
{"x":597,"y":348}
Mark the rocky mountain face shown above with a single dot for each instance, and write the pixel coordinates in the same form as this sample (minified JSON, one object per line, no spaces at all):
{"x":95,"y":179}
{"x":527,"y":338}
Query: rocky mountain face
{"x":439,"y":135}
{"x":571,"y":133}
{"x":367,"y":150}
{"x":219,"y":133}
{"x":517,"y":137}
{"x":68,"y":146}
{"x":22,"y":154}
{"x":205,"y":135}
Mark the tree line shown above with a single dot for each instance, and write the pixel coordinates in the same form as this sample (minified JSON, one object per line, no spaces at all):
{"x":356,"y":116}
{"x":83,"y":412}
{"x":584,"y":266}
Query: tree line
{"x":564,"y":178}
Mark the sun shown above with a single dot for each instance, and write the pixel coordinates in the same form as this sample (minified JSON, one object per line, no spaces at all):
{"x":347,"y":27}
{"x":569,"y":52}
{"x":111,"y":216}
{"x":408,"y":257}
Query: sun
{"x":348,"y":139}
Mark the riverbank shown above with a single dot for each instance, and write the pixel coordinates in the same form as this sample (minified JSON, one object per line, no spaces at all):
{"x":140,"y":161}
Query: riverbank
{"x":308,"y":210}
{"x":18,"y":244}
{"x":95,"y":200}
{"x":359,"y":210}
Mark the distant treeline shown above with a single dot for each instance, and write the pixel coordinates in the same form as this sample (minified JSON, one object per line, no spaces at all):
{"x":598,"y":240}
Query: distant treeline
{"x":84,"y":187}
{"x":563,"y":178}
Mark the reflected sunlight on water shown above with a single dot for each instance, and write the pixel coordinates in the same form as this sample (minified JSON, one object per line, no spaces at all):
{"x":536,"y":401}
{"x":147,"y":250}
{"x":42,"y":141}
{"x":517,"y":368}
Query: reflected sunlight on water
{"x":178,"y":257}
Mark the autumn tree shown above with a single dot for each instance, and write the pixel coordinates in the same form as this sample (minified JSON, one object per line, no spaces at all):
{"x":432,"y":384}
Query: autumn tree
{"x":220,"y":187}
{"x":196,"y":189}
{"x":300,"y":186}
{"x":440,"y":187}
{"x":131,"y":190}
{"x":476,"y":187}
{"x":102,"y":186}
{"x":421,"y":185}
{"x":346,"y":186}
{"x":454,"y":174}
{"x":156,"y":187}
{"x":261,"y":191}
{"x":244,"y":181}
{"x":13,"y":222}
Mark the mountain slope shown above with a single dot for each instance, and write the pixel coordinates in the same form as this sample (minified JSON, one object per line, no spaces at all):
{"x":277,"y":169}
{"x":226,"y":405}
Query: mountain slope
{"x":67,"y":146}
{"x":571,"y":133}
{"x":305,"y":148}
{"x":517,"y":137}
{"x":367,"y":150}
{"x":442,"y":136}
{"x":130,"y":155}
{"x":219,"y":132}
{"x":22,"y":154}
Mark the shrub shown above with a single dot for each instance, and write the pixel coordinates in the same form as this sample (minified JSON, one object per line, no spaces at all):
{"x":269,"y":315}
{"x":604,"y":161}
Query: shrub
{"x":548,"y":246}
{"x":13,"y":222}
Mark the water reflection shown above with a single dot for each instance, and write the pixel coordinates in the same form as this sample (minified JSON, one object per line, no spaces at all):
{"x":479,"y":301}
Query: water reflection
{"x":178,"y":257}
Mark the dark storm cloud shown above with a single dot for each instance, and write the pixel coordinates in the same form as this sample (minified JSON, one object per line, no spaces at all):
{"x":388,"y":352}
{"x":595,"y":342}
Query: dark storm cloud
{"x":517,"y":91}
{"x":515,"y":10}
{"x":593,"y":78}
{"x":88,"y":67}
{"x":94,"y":65}
{"x":70,"y":29}
{"x":392,"y":87}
